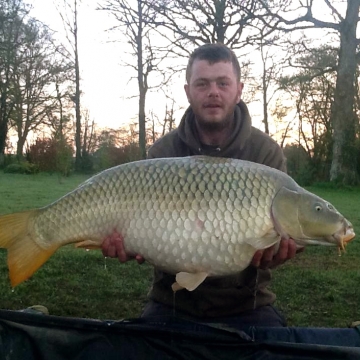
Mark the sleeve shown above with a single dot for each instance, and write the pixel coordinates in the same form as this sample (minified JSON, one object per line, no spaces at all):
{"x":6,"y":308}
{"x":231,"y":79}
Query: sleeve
{"x":265,"y":150}
{"x":167,"y":146}
{"x":151,"y":154}
{"x":275,"y":158}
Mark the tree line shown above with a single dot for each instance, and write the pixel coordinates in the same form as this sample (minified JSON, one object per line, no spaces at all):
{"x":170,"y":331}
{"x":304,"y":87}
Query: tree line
{"x":300,"y":63}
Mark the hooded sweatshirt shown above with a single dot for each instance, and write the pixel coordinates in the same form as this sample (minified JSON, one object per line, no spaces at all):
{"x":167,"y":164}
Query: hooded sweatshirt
{"x":230,"y":295}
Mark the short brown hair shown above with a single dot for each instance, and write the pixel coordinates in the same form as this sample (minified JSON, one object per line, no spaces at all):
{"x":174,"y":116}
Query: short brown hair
{"x":213,"y":53}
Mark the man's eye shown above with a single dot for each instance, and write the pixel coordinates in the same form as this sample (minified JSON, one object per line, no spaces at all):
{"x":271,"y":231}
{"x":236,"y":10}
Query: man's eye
{"x":223,"y":83}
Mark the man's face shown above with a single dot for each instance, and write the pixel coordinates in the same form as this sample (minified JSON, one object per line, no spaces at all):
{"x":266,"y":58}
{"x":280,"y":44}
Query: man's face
{"x":213,"y":91}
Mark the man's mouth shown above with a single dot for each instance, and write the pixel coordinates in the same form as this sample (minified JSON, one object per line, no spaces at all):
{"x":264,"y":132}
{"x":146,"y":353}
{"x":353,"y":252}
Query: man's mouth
{"x":212,"y":106}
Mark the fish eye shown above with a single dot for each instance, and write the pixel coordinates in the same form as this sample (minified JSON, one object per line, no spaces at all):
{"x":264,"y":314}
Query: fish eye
{"x":318,"y":208}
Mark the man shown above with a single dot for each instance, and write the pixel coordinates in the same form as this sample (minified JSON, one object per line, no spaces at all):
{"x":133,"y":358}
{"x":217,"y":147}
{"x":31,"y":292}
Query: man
{"x":217,"y":123}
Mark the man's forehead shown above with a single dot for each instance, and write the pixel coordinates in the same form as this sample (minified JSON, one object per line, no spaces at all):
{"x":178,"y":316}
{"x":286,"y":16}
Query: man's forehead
{"x":200,"y":63}
{"x":206,"y":69}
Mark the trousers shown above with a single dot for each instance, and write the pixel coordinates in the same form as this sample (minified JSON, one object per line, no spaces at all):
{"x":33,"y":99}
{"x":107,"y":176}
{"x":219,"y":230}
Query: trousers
{"x":267,"y":316}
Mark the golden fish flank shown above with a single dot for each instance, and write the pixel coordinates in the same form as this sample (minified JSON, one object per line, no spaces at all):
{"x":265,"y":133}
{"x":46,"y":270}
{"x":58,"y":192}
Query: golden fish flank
{"x":194,"y":216}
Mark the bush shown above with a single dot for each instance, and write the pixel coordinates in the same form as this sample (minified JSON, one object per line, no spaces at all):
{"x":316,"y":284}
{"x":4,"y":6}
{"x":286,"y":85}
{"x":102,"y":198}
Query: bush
{"x":331,"y":185}
{"x":306,"y":176}
{"x":64,"y":158}
{"x":51,"y":155}
{"x":21,"y":168}
{"x":87,"y":163}
{"x":10,"y":159}
{"x":108,"y":156}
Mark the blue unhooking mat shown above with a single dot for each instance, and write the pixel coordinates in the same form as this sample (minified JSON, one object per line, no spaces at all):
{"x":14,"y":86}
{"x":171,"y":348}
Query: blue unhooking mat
{"x":27,"y":336}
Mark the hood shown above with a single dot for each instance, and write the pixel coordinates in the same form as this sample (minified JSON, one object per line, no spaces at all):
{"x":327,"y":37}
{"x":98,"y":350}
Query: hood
{"x":242,"y":129}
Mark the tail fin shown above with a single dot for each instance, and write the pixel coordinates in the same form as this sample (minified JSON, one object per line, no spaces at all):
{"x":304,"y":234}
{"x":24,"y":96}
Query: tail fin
{"x":25,"y":256}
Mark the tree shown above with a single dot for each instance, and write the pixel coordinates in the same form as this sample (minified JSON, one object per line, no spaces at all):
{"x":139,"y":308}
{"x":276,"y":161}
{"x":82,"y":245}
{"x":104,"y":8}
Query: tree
{"x":69,"y":16}
{"x":343,"y":118}
{"x":272,"y":51}
{"x":13,"y":14}
{"x":59,"y":119}
{"x":343,"y":167}
{"x":37,"y":63}
{"x":312,"y":87}
{"x":89,"y":131}
{"x":160,"y":127}
{"x":199,"y":22}
{"x":134,"y":22}
{"x":169,"y":119}
{"x":282,"y":124}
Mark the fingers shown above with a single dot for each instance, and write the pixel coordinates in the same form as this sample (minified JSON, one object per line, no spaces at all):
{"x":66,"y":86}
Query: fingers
{"x":118,"y":242}
{"x":113,"y":246}
{"x":264,"y":258}
{"x":299,"y":249}
{"x":139,"y":259}
{"x":256,"y":260}
{"x":105,"y":247}
{"x":269,"y":258}
{"x":287,"y":251}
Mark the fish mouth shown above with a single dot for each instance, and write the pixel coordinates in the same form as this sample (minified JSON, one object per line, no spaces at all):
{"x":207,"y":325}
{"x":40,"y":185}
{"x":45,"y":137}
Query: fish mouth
{"x":344,"y":238}
{"x":340,"y":238}
{"x":344,"y":235}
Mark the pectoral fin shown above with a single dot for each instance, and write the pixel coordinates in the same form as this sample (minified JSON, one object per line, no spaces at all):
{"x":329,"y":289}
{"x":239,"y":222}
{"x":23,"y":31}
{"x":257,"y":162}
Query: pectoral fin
{"x":188,"y":281}
{"x":88,"y":244}
{"x":265,"y":241}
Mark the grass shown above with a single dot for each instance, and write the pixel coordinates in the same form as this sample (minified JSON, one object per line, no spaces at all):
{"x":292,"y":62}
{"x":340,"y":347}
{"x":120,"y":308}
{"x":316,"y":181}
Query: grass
{"x":318,"y":288}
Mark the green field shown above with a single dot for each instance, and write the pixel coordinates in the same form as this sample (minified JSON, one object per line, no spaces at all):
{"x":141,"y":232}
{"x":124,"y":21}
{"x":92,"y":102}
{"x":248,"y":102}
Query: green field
{"x":318,"y":288}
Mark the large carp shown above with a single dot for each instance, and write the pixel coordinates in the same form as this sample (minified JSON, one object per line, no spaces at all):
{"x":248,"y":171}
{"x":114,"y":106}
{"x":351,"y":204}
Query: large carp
{"x":194,"y":216}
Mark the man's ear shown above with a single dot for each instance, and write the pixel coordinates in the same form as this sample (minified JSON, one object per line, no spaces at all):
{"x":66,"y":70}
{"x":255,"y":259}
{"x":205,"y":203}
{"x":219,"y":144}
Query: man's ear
{"x":187,"y":91}
{"x":240,"y":89}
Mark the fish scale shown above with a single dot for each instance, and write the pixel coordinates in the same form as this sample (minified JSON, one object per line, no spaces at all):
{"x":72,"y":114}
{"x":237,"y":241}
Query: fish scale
{"x":198,"y":215}
{"x":119,"y":199}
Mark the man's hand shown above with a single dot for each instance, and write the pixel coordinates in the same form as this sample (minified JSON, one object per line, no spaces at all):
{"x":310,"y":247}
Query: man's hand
{"x":269,"y":258}
{"x":113,"y":246}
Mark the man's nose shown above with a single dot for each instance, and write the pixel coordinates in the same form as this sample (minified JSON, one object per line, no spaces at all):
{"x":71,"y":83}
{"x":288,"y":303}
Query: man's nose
{"x":213,"y":89}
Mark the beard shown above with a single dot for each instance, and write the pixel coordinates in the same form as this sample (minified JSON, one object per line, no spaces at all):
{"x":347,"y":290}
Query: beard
{"x":215,"y":126}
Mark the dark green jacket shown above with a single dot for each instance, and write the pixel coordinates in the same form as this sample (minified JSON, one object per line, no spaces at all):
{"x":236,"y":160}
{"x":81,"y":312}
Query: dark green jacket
{"x":229,"y":295}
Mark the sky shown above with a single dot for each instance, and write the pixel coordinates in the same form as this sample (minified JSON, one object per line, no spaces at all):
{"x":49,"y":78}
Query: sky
{"x":107,"y":92}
